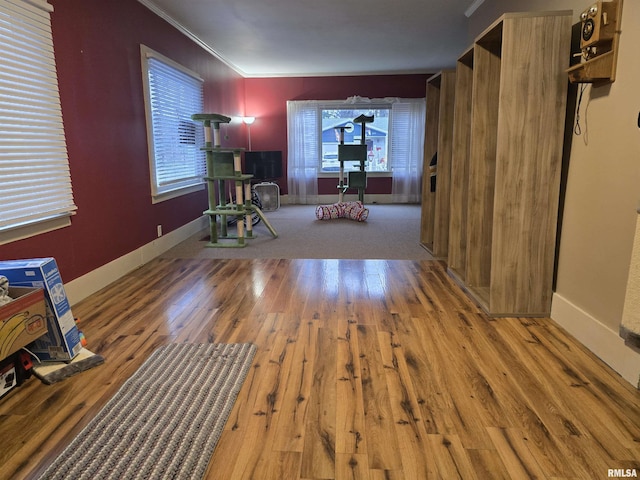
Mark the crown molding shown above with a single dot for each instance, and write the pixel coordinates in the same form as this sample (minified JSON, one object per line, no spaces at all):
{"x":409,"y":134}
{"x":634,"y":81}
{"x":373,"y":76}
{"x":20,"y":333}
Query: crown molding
{"x":473,"y":7}
{"x":188,"y":33}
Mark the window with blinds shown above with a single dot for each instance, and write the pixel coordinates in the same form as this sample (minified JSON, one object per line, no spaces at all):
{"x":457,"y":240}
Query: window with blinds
{"x":172,"y":94}
{"x":35,"y":182}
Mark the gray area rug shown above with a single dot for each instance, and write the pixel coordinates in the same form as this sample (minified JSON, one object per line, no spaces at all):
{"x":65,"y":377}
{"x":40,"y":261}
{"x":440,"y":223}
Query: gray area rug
{"x":165,"y":421}
{"x":391,"y":232}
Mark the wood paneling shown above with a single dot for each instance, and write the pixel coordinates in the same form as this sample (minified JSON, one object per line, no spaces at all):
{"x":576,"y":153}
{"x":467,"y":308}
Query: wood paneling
{"x":367,"y":369}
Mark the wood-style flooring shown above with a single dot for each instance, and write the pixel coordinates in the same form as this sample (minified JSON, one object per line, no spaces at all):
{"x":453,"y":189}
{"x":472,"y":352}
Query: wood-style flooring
{"x":366,"y":369}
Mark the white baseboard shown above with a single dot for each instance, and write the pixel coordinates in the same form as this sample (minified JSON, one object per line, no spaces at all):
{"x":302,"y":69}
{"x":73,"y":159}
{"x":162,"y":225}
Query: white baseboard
{"x":82,"y":287}
{"x":600,"y":339}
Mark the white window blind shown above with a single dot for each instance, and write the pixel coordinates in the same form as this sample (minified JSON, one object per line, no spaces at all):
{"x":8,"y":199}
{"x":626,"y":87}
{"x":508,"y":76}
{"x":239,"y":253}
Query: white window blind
{"x":35,"y":183}
{"x":173,"y":94}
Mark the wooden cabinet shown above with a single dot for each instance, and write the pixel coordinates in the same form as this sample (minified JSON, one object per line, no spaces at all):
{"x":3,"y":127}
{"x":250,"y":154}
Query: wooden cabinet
{"x":438,"y":141}
{"x":510,"y":103}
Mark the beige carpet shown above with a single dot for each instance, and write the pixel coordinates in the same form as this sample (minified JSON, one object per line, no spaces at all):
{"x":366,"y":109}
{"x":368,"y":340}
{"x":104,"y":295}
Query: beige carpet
{"x":391,"y":232}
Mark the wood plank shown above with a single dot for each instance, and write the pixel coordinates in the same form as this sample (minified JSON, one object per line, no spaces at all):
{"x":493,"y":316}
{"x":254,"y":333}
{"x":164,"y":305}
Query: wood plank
{"x":319,"y":453}
{"x":350,"y":419}
{"x":383,"y":448}
{"x":409,"y":425}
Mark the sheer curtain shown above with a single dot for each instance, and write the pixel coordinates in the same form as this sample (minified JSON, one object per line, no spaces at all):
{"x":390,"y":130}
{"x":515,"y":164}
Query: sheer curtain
{"x":303,"y":133}
{"x":407,"y":149}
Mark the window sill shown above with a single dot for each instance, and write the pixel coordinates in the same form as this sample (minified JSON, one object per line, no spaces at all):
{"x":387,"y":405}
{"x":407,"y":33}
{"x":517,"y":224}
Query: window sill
{"x":369,"y":174}
{"x":161,"y":197}
{"x":27,"y":231}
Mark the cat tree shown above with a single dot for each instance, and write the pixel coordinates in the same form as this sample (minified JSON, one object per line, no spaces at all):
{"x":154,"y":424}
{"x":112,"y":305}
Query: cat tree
{"x":225,"y":164}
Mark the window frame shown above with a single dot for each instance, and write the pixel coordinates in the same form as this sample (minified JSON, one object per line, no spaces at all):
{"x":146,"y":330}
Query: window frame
{"x":160,"y":193}
{"x":406,"y":148}
{"x":354,"y":103}
{"x":362,"y":106}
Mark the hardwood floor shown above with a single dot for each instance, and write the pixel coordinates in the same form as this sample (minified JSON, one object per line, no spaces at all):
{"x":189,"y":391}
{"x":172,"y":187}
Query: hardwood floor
{"x":367,"y":369}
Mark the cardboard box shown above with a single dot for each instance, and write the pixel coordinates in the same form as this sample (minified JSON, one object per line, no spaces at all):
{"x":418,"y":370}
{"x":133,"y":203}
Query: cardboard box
{"x":23,"y":320}
{"x":62,"y":341}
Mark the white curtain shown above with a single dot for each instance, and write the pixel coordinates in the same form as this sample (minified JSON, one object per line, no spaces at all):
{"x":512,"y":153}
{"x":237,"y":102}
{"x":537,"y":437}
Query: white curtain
{"x":304,"y":148}
{"x":407,"y":149}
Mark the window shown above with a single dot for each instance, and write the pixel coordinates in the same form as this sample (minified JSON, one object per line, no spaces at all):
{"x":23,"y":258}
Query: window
{"x":395,"y":147}
{"x":376,"y":137}
{"x":172,"y":94}
{"x":35,"y":182}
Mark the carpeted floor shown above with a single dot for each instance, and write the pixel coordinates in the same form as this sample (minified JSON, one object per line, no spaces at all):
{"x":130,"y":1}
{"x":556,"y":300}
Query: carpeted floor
{"x":391,"y":232}
{"x":165,"y":421}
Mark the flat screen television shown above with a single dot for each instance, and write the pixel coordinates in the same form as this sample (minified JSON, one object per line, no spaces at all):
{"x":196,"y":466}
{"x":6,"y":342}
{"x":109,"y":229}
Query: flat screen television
{"x":263,"y":165}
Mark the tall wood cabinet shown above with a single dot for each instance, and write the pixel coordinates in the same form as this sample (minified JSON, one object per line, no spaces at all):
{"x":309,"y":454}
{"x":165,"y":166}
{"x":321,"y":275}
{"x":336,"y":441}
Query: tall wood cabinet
{"x":510,"y":104}
{"x":438,"y":140}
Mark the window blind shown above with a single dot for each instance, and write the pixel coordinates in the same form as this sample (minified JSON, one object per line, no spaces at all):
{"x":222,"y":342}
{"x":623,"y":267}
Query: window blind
{"x":35,"y":183}
{"x":177,"y":160}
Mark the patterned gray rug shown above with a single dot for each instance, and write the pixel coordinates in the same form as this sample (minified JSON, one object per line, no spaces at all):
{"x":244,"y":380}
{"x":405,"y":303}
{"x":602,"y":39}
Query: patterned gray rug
{"x":165,"y":421}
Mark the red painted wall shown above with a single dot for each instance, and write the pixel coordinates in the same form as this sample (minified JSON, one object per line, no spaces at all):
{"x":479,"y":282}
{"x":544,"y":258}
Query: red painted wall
{"x":97,"y":45}
{"x":266,"y":99}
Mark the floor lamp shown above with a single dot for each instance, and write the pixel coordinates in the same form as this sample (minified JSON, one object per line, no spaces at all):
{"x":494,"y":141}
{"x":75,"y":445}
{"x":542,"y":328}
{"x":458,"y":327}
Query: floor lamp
{"x":248,"y":121}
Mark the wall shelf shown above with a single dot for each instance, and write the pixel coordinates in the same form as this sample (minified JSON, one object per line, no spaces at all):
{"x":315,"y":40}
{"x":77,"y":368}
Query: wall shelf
{"x":601,"y":69}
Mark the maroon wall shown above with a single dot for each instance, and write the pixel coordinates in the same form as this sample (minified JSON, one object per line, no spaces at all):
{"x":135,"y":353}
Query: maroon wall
{"x":97,"y":45}
{"x":266,"y":99}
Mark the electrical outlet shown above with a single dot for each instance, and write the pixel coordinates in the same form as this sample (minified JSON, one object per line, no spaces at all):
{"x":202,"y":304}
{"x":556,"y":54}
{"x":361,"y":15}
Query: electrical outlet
{"x":159,"y":230}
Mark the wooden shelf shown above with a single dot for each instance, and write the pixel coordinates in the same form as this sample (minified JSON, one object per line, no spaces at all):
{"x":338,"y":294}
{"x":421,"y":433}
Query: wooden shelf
{"x":600,"y":69}
{"x":509,"y":113}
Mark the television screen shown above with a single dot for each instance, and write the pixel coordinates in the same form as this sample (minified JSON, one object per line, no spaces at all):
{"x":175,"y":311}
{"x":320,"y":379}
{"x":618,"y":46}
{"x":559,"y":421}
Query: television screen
{"x":265,"y":165}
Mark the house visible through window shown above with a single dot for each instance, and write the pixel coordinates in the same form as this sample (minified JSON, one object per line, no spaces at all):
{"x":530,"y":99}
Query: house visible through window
{"x":35,"y":182}
{"x":172,"y":94}
{"x":376,"y":138}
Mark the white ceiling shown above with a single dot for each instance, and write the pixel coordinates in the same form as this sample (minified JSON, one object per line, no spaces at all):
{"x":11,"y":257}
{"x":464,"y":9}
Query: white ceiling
{"x":262,"y":38}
